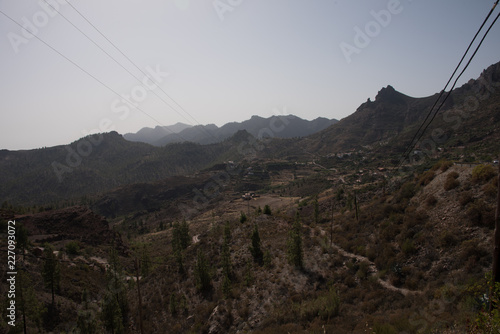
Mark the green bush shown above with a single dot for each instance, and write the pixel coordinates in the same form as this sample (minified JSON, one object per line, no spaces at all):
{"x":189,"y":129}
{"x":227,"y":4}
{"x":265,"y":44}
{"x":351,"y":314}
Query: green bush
{"x":73,"y":248}
{"x":408,"y":247}
{"x":407,"y":191}
{"x":426,"y":178}
{"x":483,"y":173}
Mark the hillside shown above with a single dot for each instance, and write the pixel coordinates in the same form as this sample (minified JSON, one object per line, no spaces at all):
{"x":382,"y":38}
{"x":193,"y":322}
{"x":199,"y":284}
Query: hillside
{"x":99,"y":163}
{"x":387,"y":125}
{"x":421,"y":242}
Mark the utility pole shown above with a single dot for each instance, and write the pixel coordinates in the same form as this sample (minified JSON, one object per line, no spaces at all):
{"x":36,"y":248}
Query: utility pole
{"x":496,"y":249}
{"x":139,"y":294}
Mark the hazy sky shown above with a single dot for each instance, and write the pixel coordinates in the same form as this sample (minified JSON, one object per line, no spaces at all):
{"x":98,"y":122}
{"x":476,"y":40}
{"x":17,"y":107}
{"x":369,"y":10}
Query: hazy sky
{"x":226,"y":60}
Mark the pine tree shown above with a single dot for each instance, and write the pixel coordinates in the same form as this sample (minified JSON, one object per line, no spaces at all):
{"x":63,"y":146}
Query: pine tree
{"x":51,"y":271}
{"x":173,"y":304}
{"x":202,"y":274}
{"x":111,"y":314}
{"x":184,"y":232}
{"x":295,"y":252}
{"x":255,"y":248}
{"x":86,"y":321}
{"x":28,"y":304}
{"x":248,"y":273}
{"x":116,"y":286}
{"x":145,"y":262}
{"x":22,"y":238}
{"x":180,"y":236}
{"x":243,"y":217}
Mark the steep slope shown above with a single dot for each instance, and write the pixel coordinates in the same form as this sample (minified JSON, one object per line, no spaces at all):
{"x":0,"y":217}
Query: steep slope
{"x":388,"y":124}
{"x":374,"y":121}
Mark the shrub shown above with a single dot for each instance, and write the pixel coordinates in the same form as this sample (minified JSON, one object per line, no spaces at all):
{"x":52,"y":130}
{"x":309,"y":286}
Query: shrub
{"x":450,"y":183}
{"x":447,"y":239}
{"x":267,"y":210}
{"x":73,"y":248}
{"x":481,"y":214}
{"x":483,"y":173}
{"x":407,"y":191}
{"x":384,"y":329}
{"x":465,"y":198}
{"x":426,"y":178}
{"x":431,"y":200}
{"x":445,"y":165}
{"x":408,"y":247}
{"x":490,"y":189}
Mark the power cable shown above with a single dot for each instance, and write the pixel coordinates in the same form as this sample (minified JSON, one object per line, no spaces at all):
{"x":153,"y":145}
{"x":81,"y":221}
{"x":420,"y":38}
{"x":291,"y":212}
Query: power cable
{"x":85,"y":71}
{"x":118,"y":63}
{"x":417,"y":133}
{"x":137,"y":67}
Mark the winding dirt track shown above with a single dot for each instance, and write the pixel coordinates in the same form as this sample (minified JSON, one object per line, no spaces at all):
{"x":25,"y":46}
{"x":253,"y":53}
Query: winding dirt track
{"x":373,"y":269}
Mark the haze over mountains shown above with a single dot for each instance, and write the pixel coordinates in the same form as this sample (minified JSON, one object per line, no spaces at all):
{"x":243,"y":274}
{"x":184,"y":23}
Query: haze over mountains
{"x":381,"y":128}
{"x":275,"y":126}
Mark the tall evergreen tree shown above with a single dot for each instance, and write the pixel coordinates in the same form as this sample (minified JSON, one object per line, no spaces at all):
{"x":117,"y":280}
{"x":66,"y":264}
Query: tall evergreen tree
{"x":180,"y":236}
{"x":51,"y":271}
{"x":86,"y":321}
{"x":111,"y":314}
{"x":28,"y":304}
{"x":255,"y":248}
{"x":116,"y":286}
{"x":202,"y":273}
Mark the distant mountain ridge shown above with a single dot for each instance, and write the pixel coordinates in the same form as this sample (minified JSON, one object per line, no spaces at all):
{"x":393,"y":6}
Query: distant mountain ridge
{"x":150,"y":135}
{"x":283,"y":126}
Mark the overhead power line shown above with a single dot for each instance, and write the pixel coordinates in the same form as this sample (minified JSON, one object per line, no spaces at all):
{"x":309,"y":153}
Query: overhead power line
{"x":134,"y":64}
{"x":418,"y":134}
{"x":85,"y":71}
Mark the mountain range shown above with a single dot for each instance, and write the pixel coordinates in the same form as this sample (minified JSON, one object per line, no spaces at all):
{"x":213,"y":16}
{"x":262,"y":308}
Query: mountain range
{"x":284,"y":126}
{"x":467,"y":126}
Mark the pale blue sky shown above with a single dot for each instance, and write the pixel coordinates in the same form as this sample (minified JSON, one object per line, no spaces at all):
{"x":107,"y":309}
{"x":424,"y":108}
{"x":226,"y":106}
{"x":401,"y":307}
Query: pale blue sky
{"x":248,"y":57}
